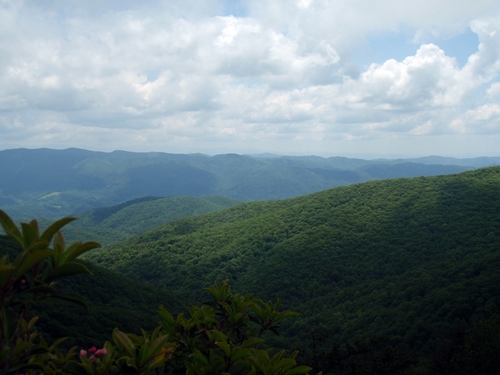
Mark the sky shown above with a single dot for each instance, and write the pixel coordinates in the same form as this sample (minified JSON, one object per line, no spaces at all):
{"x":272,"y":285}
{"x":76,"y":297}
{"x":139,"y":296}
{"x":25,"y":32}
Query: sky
{"x":359,"y":78}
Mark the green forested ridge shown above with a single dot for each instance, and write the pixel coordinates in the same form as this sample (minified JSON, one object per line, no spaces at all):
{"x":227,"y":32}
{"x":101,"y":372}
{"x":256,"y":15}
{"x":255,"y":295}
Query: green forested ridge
{"x":117,"y":223}
{"x":114,"y":302}
{"x":73,"y":181}
{"x":408,"y":261}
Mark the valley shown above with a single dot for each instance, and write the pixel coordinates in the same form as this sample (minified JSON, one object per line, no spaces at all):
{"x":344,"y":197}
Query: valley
{"x":406,"y":260}
{"x":392,"y":275}
{"x":72,"y":181}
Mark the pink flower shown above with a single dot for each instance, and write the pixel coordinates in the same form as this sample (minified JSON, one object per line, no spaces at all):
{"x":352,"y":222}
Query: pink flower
{"x":101,"y":352}
{"x":92,"y":350}
{"x":92,"y":358}
{"x":83,"y":353}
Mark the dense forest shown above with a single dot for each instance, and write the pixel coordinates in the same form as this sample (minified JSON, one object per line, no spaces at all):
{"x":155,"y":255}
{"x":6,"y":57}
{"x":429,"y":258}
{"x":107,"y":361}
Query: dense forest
{"x":73,"y":181}
{"x":113,"y":300}
{"x":406,"y":262}
{"x":389,"y":277}
{"x":225,"y":335}
{"x":117,"y":223}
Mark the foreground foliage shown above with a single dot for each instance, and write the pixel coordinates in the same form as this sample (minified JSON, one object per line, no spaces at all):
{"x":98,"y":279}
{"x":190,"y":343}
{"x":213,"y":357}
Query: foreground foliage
{"x":224,"y":336}
{"x":113,"y":300}
{"x":32,"y":276}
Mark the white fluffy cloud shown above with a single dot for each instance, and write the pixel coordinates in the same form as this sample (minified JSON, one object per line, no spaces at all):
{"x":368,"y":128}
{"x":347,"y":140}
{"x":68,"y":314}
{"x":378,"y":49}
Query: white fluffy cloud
{"x":186,"y":76}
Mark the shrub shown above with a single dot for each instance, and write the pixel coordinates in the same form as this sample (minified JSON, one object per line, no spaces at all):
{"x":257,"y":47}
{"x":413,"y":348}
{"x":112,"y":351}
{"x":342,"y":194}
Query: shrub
{"x":226,"y":335}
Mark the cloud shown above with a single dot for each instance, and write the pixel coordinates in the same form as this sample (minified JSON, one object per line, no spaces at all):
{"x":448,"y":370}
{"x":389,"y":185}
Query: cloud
{"x":424,"y":80}
{"x":187,"y":74}
{"x":484,"y":119}
{"x":493,"y":91}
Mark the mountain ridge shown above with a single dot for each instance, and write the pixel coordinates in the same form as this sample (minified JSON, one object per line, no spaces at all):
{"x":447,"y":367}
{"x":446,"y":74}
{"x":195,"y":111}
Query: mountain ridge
{"x":72,"y":181}
{"x":375,"y":259}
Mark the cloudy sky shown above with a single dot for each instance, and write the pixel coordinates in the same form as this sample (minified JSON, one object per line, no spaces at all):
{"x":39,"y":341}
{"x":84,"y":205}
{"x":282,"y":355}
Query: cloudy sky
{"x":341,"y":77}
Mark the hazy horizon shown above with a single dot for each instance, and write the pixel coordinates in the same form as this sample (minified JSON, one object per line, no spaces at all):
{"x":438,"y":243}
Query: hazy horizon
{"x":366,"y":156}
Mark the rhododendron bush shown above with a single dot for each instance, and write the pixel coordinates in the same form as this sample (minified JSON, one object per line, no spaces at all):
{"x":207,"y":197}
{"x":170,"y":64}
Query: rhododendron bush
{"x":223,"y":336}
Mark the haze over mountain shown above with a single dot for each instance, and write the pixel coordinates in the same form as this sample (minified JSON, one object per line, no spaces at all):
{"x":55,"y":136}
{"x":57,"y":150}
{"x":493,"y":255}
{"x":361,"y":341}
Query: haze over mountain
{"x":55,"y":183}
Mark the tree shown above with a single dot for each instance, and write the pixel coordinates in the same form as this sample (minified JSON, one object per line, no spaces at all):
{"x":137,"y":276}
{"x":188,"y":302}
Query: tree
{"x":43,"y":260}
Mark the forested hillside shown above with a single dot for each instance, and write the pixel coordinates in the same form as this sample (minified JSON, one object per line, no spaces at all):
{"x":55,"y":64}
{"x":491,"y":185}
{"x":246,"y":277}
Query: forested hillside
{"x":54,"y":183}
{"x":117,"y":223}
{"x":401,"y":267}
{"x":114,"y":301}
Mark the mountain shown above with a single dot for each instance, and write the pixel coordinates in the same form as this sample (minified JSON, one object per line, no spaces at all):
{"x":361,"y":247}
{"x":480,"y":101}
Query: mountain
{"x":54,"y":183}
{"x":117,"y":223}
{"x":479,"y":162}
{"x":406,"y":262}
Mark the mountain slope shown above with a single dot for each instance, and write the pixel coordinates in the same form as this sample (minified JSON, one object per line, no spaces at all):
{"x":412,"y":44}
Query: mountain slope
{"x":403,"y":259}
{"x":55,"y":183}
{"x":114,"y":301}
{"x":117,"y":223}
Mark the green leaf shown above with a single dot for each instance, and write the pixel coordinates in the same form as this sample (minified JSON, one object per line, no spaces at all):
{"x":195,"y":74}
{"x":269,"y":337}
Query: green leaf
{"x":200,"y":357}
{"x":156,"y":346}
{"x":30,"y":234}
{"x":22,"y":346}
{"x":144,"y":355}
{"x":37,"y":245}
{"x":253,"y":341}
{"x":225,"y":348}
{"x":216,"y":335}
{"x":123,"y":341}
{"x":35,"y":225}
{"x":59,"y":246}
{"x":159,"y":360}
{"x":28,"y":260}
{"x":74,"y":252}
{"x":5,"y":270}
{"x":6,"y":267}
{"x":58,"y":342}
{"x":65,"y":270}
{"x":131,"y":363}
{"x":168,"y":321}
{"x":240,"y":353}
{"x":10,"y":228}
{"x":32,"y":322}
{"x":55,"y":227}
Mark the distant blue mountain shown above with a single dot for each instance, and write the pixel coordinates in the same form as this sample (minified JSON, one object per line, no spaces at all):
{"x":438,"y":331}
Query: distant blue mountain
{"x":53,"y":183}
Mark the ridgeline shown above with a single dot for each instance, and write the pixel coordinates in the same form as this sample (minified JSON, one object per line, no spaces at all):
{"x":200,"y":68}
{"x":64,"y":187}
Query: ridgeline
{"x":396,"y":266}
